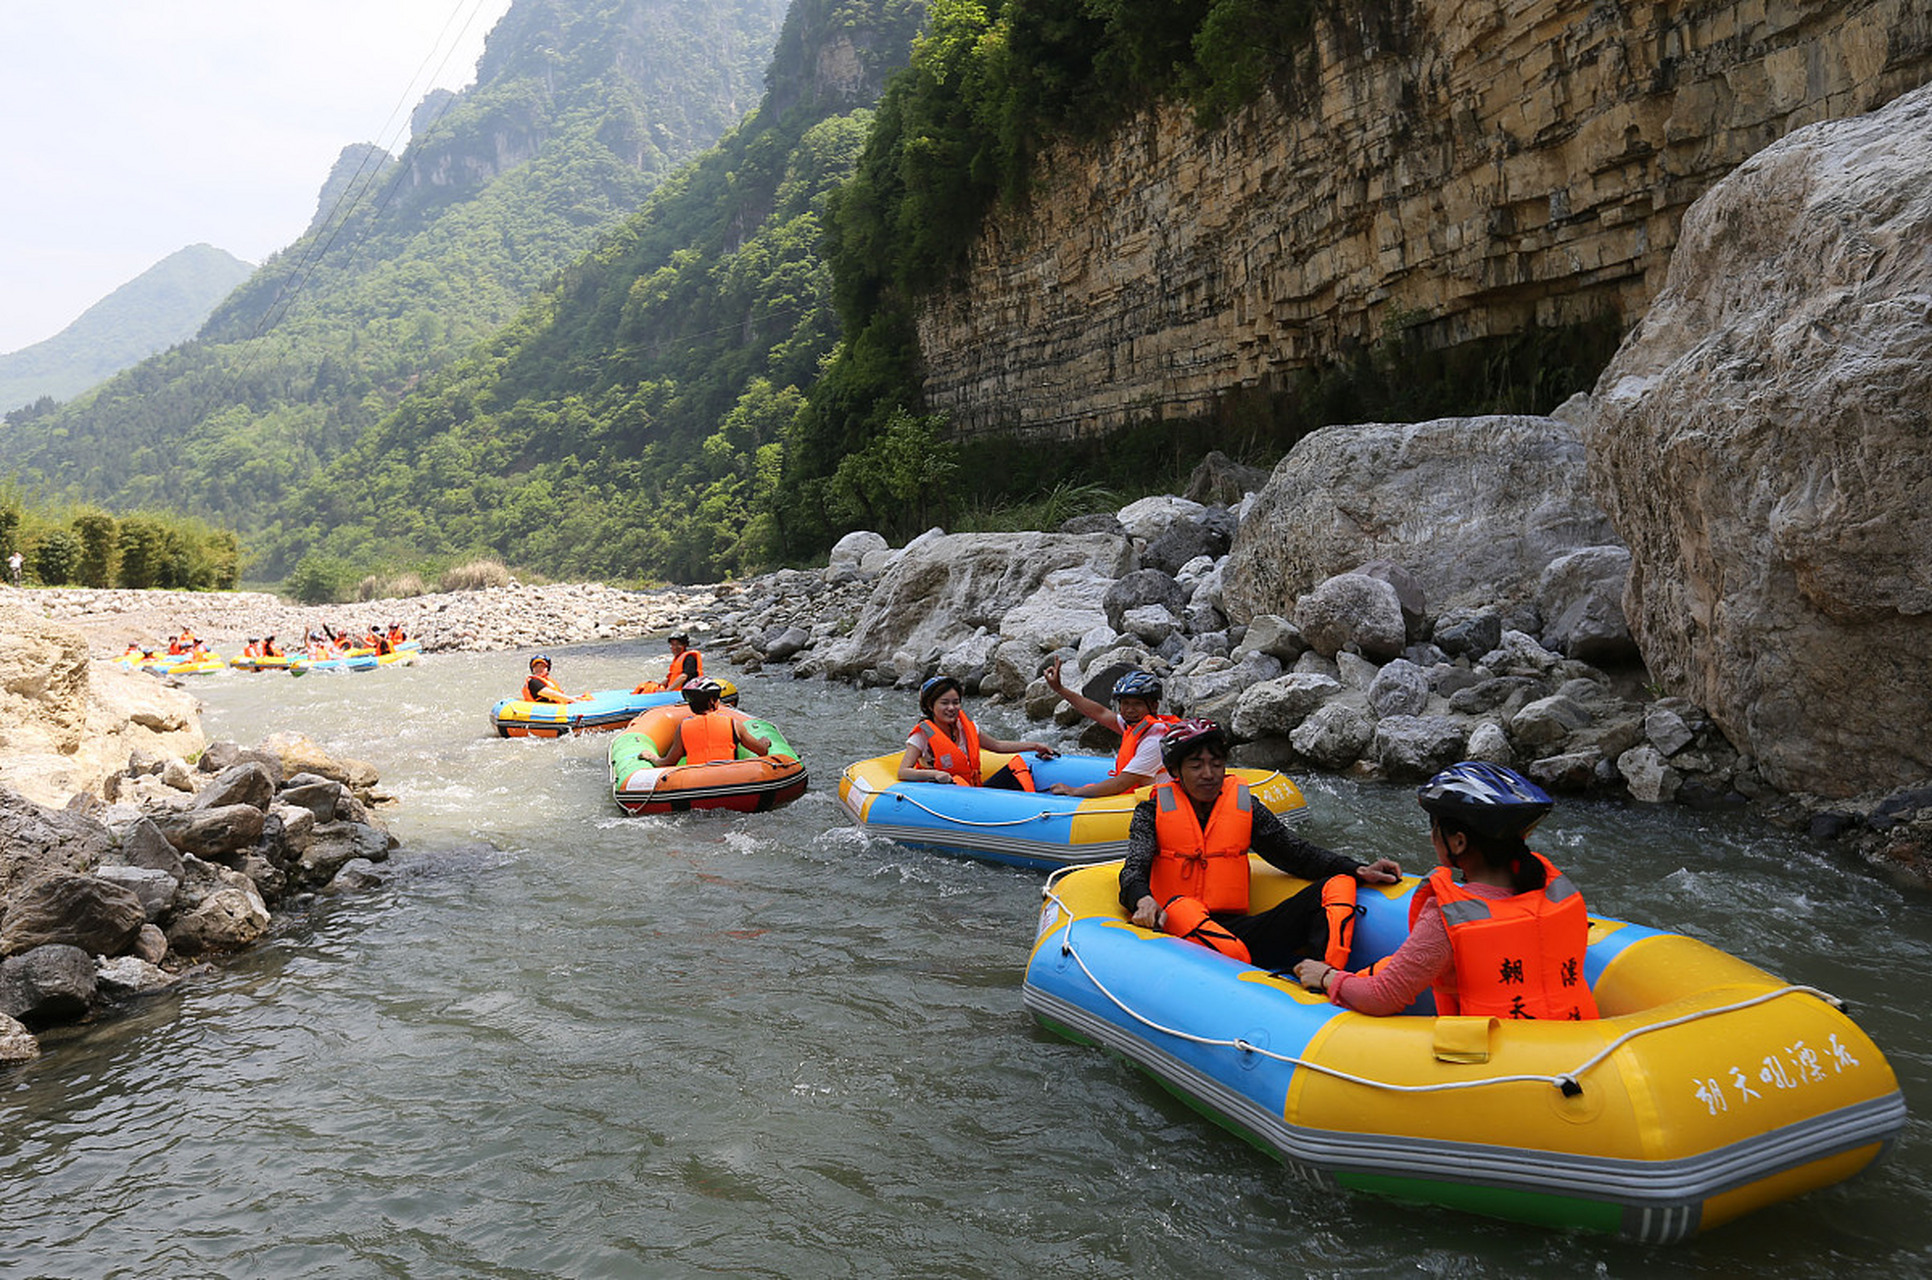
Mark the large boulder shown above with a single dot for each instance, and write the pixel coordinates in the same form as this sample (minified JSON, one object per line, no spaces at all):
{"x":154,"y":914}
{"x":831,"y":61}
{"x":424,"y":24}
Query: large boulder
{"x":1581,"y":599}
{"x":1761,"y":443}
{"x":35,"y":841}
{"x":1474,"y":508}
{"x":67,"y":724}
{"x":943,"y":587}
{"x":94,"y":914}
{"x":1352,"y":610}
{"x":50,"y":984}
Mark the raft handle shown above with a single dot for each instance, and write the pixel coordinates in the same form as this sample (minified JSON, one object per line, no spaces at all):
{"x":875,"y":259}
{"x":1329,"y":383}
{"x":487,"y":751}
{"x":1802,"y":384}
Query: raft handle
{"x":1569,"y":1086}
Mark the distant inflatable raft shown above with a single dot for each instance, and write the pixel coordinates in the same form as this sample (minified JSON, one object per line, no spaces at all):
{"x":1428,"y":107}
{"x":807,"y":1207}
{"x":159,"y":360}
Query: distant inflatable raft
{"x":1021,"y":828}
{"x":604,"y":711}
{"x":1708,"y":1088}
{"x":748,"y":784}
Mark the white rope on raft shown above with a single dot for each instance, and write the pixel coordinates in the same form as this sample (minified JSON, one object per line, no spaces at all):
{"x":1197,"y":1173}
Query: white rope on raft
{"x":1031,"y":817}
{"x":1567,"y":1081}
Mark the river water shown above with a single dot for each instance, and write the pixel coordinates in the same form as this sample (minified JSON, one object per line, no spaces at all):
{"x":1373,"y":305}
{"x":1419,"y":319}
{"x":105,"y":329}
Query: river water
{"x":558,"y":1041}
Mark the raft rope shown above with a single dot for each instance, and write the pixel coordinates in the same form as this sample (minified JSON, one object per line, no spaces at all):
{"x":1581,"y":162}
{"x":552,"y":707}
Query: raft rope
{"x":1567,"y":1082}
{"x":1033,"y":817}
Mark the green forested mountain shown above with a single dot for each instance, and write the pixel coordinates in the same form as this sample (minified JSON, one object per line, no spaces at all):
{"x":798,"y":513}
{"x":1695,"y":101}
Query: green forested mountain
{"x":163,"y":305}
{"x":630,"y":419}
{"x":580,"y":108}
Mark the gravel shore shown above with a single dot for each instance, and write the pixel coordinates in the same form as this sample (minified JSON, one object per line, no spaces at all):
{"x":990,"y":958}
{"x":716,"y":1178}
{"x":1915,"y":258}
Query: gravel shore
{"x":509,"y":617}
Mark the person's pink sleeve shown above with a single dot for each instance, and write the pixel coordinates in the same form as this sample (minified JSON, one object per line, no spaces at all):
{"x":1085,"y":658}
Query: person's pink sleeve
{"x":1414,"y":967}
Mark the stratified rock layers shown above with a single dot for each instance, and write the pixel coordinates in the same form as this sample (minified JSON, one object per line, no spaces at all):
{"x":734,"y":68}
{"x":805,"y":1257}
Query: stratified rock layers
{"x":1470,"y":167}
{"x":1763,"y":442}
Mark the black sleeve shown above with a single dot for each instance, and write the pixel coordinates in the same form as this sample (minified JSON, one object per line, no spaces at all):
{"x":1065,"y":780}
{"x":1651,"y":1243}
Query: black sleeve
{"x":690,"y":661}
{"x":1287,"y":851}
{"x":1139,"y":865}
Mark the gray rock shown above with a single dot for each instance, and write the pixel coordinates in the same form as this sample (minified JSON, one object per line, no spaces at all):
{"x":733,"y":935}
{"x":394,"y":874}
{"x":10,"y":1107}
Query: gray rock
{"x":1666,"y":730}
{"x":1273,"y":635}
{"x":1547,"y":723}
{"x":1142,"y":587}
{"x":69,"y":909}
{"x":783,"y":643}
{"x":1762,"y":444}
{"x":48,"y":985}
{"x":1573,"y":772}
{"x":17,"y":1044}
{"x":1399,"y":689}
{"x":1275,"y":707}
{"x":1650,"y":779}
{"x":1408,"y":593}
{"x":153,"y":888}
{"x":143,"y":845}
{"x":1220,"y":480}
{"x":1418,"y":746}
{"x":1151,"y":623}
{"x":1352,"y":610}
{"x":1334,"y":736}
{"x":1519,"y":654}
{"x":248,"y":783}
{"x":122,"y":976}
{"x":1487,"y":695}
{"x":1474,"y":508}
{"x":1208,"y":534}
{"x":1098,"y":522}
{"x":332,"y":845}
{"x":212,"y":833}
{"x":1468,"y":631}
{"x":1148,"y":518}
{"x":216,"y":909}
{"x":1488,"y":741}
{"x":1580,"y":596}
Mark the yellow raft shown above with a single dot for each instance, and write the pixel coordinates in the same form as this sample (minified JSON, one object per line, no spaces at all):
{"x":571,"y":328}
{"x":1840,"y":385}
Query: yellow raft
{"x":1708,"y":1088}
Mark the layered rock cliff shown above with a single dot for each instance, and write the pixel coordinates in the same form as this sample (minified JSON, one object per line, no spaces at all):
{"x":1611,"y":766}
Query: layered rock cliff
{"x":1469,"y":167}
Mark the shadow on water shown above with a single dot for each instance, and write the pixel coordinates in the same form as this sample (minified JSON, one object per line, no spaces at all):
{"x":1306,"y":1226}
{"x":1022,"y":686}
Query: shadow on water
{"x":559,"y":1040}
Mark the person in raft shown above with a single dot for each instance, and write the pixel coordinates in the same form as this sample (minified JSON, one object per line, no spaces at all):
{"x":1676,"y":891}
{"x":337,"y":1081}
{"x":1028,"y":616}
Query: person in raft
{"x":541,"y":688}
{"x":686,"y":665}
{"x":1496,"y":929}
{"x":1186,"y":870}
{"x":1135,"y":717}
{"x":709,"y":734}
{"x":945,"y":746}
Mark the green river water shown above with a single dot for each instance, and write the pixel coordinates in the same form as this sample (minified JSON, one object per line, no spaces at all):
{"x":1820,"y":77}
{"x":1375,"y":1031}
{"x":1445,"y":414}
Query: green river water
{"x":558,"y":1041}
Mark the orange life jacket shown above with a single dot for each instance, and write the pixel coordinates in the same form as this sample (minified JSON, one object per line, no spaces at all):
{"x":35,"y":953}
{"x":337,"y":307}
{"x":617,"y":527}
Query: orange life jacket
{"x":536,"y":686}
{"x":960,"y":760}
{"x":675,"y":677}
{"x":1130,"y":741}
{"x":710,"y":737}
{"x":175,"y":646}
{"x":273,"y":651}
{"x":397,"y":635}
{"x":251,"y":651}
{"x":1210,"y":864}
{"x":1516,"y":957}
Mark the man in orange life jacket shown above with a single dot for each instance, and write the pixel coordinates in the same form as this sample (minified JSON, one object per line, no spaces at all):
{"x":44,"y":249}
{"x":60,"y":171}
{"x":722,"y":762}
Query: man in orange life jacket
{"x":541,"y":688}
{"x":1496,"y":930}
{"x":708,"y":734}
{"x":687,"y":664}
{"x":1187,"y":849}
{"x":1136,"y":718}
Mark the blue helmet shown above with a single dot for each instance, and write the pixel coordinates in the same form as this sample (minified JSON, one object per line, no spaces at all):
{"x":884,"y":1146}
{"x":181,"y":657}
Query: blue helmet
{"x":544,"y":658}
{"x":1138,"y":684}
{"x":1485,"y":798}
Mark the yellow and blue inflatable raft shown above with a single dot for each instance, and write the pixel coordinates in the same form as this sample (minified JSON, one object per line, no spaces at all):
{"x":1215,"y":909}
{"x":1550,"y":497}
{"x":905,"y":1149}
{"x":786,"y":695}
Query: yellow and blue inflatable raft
{"x":1708,"y":1088}
{"x":1032,"y":829}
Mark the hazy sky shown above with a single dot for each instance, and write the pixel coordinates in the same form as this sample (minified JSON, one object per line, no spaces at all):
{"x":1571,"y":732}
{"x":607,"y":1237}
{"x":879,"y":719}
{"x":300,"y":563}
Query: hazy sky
{"x":133,"y":128}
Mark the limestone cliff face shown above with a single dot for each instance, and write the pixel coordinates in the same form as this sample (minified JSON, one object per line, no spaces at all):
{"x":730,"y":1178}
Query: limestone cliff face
{"x":1471,"y":165}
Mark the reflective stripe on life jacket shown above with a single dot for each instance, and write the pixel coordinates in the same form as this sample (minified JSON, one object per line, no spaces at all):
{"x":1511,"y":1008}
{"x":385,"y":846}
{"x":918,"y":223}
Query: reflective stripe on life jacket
{"x":1130,"y":740}
{"x":1516,"y":957}
{"x":959,"y":759}
{"x":710,"y":738}
{"x":1211,"y":865}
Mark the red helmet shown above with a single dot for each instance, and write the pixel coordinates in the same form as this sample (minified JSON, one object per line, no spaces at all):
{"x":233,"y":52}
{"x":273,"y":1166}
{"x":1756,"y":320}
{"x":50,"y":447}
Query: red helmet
{"x":1184,"y":738}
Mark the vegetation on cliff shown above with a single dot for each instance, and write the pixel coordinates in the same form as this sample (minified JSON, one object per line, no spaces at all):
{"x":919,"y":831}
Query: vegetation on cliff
{"x":631,"y":417}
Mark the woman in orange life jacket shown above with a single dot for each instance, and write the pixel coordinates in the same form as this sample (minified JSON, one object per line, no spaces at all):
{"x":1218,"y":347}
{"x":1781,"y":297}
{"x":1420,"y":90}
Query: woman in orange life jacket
{"x":686,"y":665}
{"x":270,"y":649}
{"x":945,"y":746}
{"x":1186,"y":869}
{"x":541,"y":688}
{"x":708,"y":734}
{"x":1506,"y":941}
{"x":253,"y":649}
{"x":1136,"y":718}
